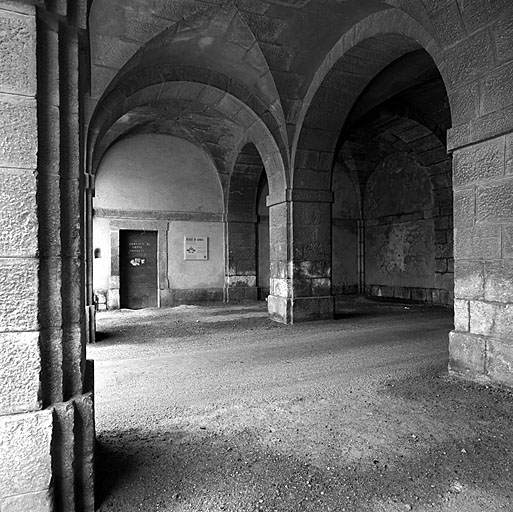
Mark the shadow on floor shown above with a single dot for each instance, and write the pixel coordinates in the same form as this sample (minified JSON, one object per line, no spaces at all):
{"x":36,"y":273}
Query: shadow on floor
{"x":461,"y":462}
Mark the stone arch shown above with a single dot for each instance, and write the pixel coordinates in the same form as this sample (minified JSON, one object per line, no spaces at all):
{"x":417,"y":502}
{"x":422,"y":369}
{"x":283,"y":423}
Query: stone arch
{"x":420,"y":230}
{"x":216,"y":41}
{"x":365,"y":50}
{"x":165,"y":86}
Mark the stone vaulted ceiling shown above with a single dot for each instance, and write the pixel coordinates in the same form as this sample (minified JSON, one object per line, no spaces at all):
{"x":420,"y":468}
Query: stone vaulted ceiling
{"x":215,"y":72}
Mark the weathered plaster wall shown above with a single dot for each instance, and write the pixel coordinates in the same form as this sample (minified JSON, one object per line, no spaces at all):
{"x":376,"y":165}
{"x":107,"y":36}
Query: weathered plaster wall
{"x":157,"y":178}
{"x":399,"y":233}
{"x":345,"y":215}
{"x":157,"y":172}
{"x":186,"y":275}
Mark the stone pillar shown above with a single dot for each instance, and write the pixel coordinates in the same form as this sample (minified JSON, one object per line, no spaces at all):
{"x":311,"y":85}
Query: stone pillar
{"x":46,"y":409}
{"x":480,"y":345}
{"x":300,"y":241}
{"x":25,"y":428}
{"x":241,"y":260}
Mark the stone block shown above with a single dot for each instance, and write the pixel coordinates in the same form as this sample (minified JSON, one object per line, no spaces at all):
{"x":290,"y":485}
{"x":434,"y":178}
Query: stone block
{"x":464,"y":207}
{"x":507,"y":241}
{"x":102,"y":76}
{"x":496,"y":89}
{"x":461,"y":315}
{"x":489,"y":125}
{"x":49,"y":226}
{"x":481,"y":161}
{"x":469,"y":59}
{"x":279,"y":308}
{"x":313,"y":308}
{"x":491,"y":319}
{"x":18,"y":132}
{"x":17,"y":6}
{"x":264,"y":28}
{"x":18,"y":50}
{"x":84,"y":451}
{"x":113,"y":300}
{"x":469,"y":279}
{"x":458,"y":136}
{"x":441,"y":237}
{"x":306,"y":159}
{"x":441,"y":265}
{"x":448,"y":24}
{"x":241,"y":280}
{"x":137,"y":29}
{"x":279,"y":269}
{"x":278,"y":56}
{"x":419,"y":294}
{"x":63,"y":459}
{"x":111,"y":52}
{"x":465,"y":103}
{"x":240,"y":293}
{"x":318,"y":140}
{"x":50,"y":341}
{"x":509,"y":154}
{"x":402,"y":292}
{"x":444,"y":281}
{"x":495,"y":203}
{"x":432,"y":6}
{"x":443,"y":297}
{"x":467,"y":353}
{"x":19,"y":353}
{"x":279,"y":287}
{"x":72,"y":272}
{"x":72,"y":342}
{"x":33,"y":502}
{"x":476,"y":14}
{"x":18,"y":294}
{"x":477,"y":242}
{"x":18,"y":214}
{"x":503,"y":36}
{"x":321,"y":287}
{"x":25,"y":458}
{"x":50,"y":286}
{"x":499,"y":362}
{"x":499,"y":281}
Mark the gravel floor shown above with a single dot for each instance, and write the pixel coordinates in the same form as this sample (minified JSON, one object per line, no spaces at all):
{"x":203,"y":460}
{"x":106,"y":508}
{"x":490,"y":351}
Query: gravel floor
{"x":219,"y":409}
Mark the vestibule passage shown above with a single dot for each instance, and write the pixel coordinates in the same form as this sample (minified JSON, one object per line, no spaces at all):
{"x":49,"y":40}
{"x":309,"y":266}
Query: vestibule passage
{"x":138,"y":269}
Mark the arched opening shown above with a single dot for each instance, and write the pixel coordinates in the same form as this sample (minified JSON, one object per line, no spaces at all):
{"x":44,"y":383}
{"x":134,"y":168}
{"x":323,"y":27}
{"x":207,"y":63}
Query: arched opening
{"x":393,"y":147}
{"x":158,"y":213}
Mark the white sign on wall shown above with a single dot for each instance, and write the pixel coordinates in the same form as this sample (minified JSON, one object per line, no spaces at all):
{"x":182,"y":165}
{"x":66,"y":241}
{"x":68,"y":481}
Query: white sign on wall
{"x":195,"y":248}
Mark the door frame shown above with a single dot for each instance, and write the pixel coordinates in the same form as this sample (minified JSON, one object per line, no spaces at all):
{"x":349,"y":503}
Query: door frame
{"x":161,"y":227}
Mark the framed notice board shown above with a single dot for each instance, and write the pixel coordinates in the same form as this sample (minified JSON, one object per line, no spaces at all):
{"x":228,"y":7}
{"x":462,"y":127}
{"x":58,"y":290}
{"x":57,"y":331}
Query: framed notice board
{"x":195,"y":248}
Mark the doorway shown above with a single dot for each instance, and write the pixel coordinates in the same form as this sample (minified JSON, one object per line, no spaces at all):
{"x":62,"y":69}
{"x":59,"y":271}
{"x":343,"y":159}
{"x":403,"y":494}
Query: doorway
{"x":138,"y":269}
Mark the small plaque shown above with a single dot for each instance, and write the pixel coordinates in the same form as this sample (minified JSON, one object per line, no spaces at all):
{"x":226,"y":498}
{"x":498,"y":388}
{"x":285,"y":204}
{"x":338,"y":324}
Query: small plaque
{"x":195,"y":248}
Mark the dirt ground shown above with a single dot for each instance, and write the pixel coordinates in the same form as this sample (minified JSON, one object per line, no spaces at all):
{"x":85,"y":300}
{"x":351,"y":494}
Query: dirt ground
{"x":219,"y":409}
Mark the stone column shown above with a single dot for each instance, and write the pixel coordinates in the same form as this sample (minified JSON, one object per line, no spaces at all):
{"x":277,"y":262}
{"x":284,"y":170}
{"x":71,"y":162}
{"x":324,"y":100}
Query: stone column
{"x":241,"y":258}
{"x":46,"y":409}
{"x":301,"y":256}
{"x":25,"y":427}
{"x":480,"y":345}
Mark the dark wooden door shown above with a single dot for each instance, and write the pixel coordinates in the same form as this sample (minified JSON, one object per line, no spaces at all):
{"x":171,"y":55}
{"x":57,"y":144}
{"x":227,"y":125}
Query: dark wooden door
{"x":138,"y":269}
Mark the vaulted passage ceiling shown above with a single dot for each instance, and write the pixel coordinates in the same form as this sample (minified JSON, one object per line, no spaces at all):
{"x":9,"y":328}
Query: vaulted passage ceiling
{"x":222,"y":74}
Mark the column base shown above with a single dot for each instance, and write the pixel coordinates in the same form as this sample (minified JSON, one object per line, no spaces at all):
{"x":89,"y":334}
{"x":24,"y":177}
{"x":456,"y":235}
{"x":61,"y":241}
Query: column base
{"x":240,"y":293}
{"x":47,"y":458}
{"x":300,"y":309}
{"x":481,"y":358}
